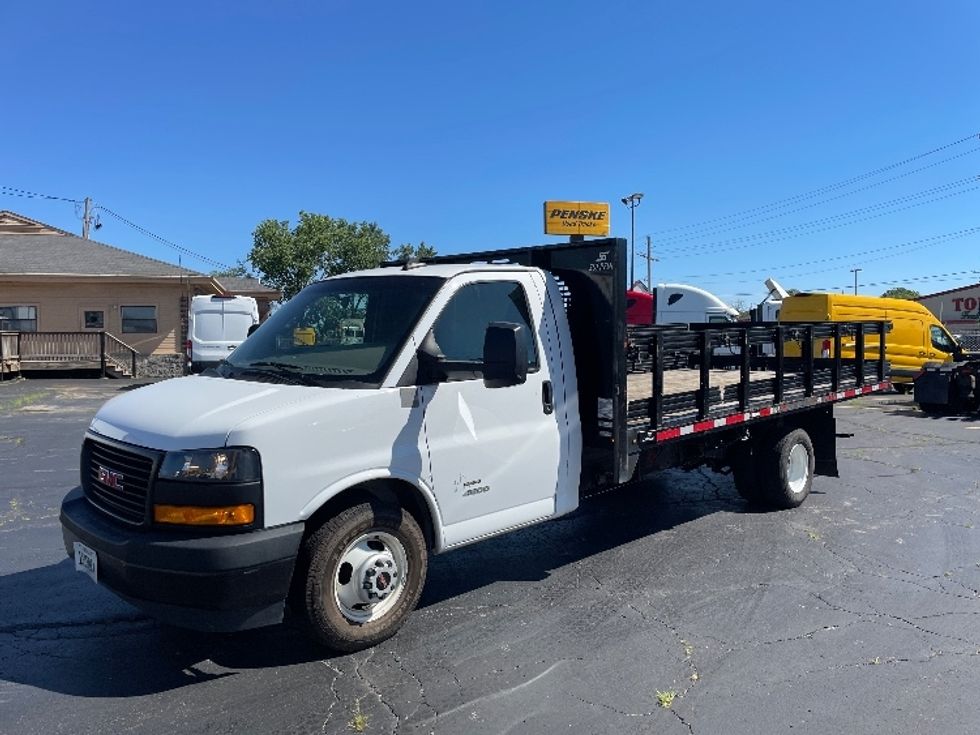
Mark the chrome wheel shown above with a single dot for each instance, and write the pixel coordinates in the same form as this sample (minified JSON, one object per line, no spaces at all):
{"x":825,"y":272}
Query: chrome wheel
{"x":798,"y":471}
{"x":370,"y":577}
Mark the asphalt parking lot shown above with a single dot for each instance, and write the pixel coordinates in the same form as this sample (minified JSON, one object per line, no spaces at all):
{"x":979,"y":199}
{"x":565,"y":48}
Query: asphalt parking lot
{"x":856,"y":613}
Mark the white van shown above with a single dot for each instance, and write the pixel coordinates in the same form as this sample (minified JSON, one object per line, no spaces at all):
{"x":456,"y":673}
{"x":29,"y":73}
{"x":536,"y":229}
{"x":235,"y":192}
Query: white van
{"x":216,"y":325}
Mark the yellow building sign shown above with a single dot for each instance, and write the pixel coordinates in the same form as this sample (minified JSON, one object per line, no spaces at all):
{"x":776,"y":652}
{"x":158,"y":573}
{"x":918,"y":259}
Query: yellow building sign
{"x":576,"y":218}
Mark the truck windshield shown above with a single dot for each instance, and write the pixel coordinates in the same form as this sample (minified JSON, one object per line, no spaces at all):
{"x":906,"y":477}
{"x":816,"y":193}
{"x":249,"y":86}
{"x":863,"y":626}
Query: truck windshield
{"x":342,"y":332}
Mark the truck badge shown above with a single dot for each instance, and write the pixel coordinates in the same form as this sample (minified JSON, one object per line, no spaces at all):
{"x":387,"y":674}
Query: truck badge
{"x":110,"y":478}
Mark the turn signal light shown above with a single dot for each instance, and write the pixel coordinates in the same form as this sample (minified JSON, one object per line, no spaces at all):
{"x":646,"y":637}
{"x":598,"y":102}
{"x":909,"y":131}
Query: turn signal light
{"x":192,"y":515}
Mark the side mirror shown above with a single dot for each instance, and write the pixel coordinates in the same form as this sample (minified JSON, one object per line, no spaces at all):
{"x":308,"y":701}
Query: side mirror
{"x":504,"y":355}
{"x":431,"y":362}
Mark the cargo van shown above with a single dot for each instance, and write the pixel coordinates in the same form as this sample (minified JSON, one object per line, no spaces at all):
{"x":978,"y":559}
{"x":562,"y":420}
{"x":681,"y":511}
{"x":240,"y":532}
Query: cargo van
{"x":216,"y":325}
{"x":915,"y":338}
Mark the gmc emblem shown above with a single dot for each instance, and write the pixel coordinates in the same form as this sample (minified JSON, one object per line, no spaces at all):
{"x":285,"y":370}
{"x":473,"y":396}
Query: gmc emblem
{"x":110,"y":478}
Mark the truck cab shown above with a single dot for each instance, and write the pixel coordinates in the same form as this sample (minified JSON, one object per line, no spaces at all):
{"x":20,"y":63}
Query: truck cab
{"x":441,"y":391}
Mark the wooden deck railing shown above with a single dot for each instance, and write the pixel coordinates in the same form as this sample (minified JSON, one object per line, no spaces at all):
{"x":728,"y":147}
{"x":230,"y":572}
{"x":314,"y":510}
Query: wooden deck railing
{"x":9,"y":353}
{"x":24,"y":350}
{"x":118,"y":353}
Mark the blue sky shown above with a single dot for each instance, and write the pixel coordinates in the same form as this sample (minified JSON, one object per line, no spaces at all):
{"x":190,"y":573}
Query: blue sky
{"x":453,"y":122}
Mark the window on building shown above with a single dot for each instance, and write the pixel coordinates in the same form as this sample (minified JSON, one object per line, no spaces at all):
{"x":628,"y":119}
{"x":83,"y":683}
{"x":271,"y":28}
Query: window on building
{"x":95,"y":320}
{"x":139,"y":319}
{"x":460,"y":329}
{"x":18,"y":318}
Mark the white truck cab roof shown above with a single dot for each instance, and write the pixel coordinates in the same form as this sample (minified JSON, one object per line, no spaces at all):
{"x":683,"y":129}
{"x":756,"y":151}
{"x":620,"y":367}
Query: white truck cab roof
{"x":439,"y":270}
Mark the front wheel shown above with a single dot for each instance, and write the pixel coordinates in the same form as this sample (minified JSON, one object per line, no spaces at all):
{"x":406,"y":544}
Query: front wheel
{"x":364,"y":572}
{"x":788,"y":469}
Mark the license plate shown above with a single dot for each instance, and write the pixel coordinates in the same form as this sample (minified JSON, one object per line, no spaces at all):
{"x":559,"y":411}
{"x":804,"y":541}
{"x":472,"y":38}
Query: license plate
{"x":86,"y":561}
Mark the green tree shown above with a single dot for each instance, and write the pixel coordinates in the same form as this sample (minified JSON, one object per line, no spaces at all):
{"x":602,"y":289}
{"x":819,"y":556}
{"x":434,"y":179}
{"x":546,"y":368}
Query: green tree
{"x":240,"y":270}
{"x":900,"y":292}
{"x":317,"y":247}
{"x":407,"y":251}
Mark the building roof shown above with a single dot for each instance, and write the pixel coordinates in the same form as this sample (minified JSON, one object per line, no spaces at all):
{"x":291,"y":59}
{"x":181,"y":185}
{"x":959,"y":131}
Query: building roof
{"x":952,"y":290}
{"x":29,"y":247}
{"x":247,"y":286}
{"x":12,"y":223}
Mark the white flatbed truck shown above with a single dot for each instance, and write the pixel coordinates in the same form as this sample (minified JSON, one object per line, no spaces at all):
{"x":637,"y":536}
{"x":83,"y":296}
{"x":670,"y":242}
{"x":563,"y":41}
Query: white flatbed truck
{"x":482,"y":393}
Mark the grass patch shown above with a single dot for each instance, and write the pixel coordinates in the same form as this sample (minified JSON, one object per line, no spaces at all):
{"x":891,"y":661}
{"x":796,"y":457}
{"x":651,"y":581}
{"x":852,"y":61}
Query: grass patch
{"x":665,"y":699}
{"x":358,"y":721}
{"x":19,"y":402}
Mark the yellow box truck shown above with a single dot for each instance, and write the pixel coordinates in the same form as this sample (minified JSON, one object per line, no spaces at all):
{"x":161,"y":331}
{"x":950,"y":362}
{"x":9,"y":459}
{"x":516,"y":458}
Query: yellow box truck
{"x":915,"y":338}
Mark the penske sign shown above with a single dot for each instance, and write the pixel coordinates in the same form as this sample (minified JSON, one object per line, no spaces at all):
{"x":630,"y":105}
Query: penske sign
{"x":576,"y":218}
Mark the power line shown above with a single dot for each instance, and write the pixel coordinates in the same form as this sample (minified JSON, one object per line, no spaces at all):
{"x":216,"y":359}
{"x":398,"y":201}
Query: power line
{"x":820,"y":191}
{"x":905,"y":247}
{"x":748,"y":221}
{"x":811,"y":228}
{"x":902,"y":281}
{"x":15,"y":192}
{"x":168,"y":243}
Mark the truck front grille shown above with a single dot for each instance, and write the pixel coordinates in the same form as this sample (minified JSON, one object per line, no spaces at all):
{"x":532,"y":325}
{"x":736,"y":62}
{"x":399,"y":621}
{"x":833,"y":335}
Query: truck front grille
{"x":116,"y":478}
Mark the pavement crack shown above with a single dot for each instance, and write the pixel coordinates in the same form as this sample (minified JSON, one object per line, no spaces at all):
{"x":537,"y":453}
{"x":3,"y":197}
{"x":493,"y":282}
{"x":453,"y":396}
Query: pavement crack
{"x":684,"y":722}
{"x":423,"y":701}
{"x":333,"y":691}
{"x":877,"y":614}
{"x":373,"y":689}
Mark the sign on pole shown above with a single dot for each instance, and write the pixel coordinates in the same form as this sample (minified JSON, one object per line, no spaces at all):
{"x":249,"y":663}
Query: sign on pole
{"x":576,"y":218}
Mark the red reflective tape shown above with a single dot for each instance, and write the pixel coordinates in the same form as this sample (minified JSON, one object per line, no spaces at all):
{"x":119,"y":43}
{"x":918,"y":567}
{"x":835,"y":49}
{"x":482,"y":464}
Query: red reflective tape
{"x":704,"y":425}
{"x":765,"y":411}
{"x":668,"y":434}
{"x":736,"y":419}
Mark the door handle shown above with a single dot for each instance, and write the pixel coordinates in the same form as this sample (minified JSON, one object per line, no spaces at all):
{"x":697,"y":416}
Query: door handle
{"x":548,"y":397}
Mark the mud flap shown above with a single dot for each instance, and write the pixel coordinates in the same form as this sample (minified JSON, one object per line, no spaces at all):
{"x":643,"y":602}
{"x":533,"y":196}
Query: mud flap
{"x":822,"y":428}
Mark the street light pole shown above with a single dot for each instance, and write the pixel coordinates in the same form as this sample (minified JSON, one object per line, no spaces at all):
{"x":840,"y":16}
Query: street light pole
{"x":632,"y":201}
{"x":855,"y":271}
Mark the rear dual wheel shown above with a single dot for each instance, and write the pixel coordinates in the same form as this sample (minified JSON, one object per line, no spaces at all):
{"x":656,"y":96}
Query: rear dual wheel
{"x":778,"y":474}
{"x":788,"y":469}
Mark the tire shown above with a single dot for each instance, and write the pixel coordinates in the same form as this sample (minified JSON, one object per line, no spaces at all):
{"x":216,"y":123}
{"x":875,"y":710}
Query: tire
{"x":787,"y":469}
{"x":902,"y":388}
{"x":363,"y":571}
{"x":748,"y":483}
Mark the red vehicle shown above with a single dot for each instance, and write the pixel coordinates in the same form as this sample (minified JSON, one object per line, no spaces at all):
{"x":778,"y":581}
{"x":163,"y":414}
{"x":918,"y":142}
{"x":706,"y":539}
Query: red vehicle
{"x":640,"y":307}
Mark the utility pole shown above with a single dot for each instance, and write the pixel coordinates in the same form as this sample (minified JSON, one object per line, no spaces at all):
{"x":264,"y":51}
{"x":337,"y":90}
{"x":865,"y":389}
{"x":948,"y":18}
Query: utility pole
{"x":855,"y":271}
{"x":87,"y":217}
{"x":649,"y":262}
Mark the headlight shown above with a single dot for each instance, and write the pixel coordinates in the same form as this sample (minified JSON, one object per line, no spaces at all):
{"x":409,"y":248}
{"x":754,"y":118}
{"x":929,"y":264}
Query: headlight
{"x":234,"y":464}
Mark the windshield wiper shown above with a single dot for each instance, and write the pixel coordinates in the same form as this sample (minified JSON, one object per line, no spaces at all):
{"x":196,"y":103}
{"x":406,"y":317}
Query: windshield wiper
{"x":289,"y":373}
{"x":278,"y":365}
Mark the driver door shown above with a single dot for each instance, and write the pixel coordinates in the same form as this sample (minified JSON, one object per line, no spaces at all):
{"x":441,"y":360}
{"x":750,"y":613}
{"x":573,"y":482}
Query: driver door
{"x":494,"y":452}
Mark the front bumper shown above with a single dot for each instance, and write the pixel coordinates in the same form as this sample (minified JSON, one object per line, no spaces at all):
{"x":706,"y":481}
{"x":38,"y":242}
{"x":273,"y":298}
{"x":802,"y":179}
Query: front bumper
{"x":226,"y":582}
